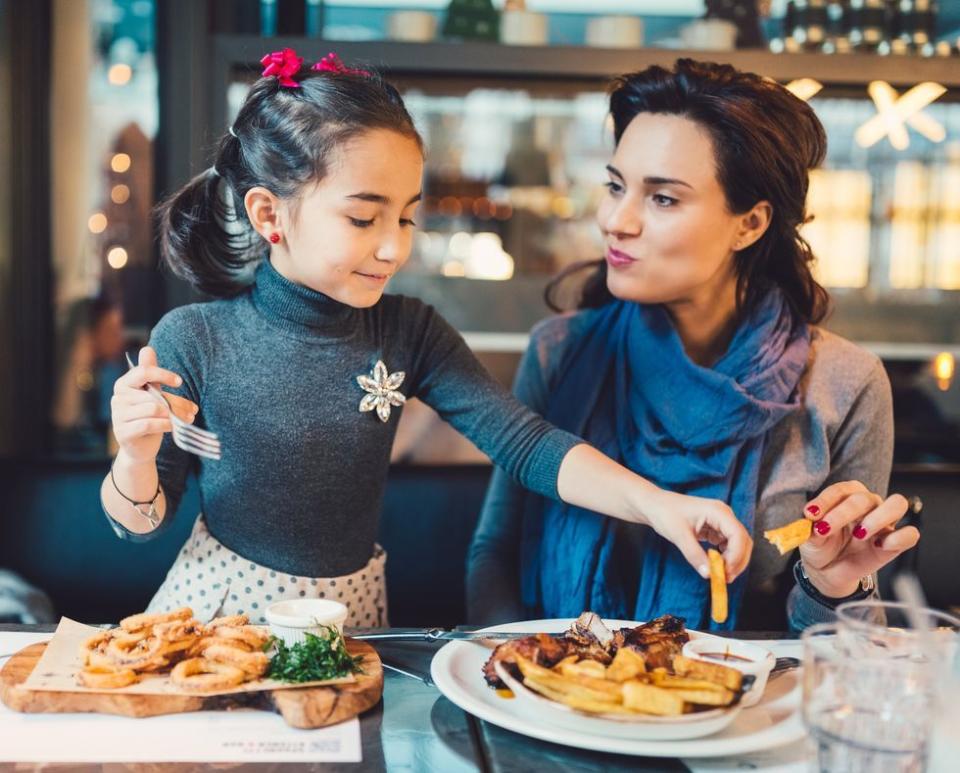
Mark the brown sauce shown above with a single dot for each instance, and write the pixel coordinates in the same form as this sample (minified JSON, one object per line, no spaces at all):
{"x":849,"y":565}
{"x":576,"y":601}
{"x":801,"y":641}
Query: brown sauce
{"x":725,"y":656}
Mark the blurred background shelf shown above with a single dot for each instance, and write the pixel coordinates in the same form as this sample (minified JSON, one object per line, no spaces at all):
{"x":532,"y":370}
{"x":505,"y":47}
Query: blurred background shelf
{"x":446,"y":58}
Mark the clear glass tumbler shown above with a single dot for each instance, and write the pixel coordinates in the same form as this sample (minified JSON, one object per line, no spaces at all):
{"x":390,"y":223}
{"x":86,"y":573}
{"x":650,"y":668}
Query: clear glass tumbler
{"x":928,"y":638}
{"x":866,"y":713}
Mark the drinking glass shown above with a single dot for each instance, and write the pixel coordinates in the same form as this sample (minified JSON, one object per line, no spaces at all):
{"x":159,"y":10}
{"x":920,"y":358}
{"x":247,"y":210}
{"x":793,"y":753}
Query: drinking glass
{"x":866,"y":712}
{"x":922,"y":636}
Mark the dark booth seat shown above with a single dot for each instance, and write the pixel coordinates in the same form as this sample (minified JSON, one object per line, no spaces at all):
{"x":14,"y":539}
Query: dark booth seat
{"x":53,"y":533}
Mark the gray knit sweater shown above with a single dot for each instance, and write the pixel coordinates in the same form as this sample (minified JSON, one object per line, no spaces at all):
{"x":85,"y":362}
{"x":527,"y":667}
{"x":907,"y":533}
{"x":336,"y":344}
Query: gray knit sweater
{"x":274,"y":371}
{"x":843,"y":432}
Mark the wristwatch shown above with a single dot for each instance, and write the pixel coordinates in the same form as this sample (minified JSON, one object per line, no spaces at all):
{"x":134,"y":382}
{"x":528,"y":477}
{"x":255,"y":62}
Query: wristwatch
{"x":867,"y":587}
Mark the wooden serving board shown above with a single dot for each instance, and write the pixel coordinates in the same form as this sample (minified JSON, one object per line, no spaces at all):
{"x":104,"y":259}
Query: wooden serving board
{"x":303,"y":707}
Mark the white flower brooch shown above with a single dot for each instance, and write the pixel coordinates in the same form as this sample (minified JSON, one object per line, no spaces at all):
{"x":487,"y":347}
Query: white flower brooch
{"x":381,"y":386}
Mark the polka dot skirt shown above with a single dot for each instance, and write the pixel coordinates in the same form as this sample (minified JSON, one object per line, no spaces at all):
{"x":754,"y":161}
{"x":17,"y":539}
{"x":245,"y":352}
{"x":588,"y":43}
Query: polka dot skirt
{"x":215,"y":581}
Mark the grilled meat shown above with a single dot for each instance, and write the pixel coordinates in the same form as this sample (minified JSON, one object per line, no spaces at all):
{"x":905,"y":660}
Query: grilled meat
{"x":543,"y":649}
{"x":657,"y":641}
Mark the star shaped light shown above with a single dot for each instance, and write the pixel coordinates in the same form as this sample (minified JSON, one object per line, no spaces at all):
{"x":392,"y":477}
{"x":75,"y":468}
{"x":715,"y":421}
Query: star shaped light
{"x":382,"y":388}
{"x":896,"y":111}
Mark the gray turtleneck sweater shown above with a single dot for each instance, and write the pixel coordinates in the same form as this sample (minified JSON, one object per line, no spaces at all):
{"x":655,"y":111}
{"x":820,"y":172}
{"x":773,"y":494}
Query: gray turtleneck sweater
{"x":301,"y":479}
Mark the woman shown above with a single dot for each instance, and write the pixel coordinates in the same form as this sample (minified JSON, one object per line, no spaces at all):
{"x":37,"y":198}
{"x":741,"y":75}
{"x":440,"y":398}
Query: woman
{"x":695,"y":360}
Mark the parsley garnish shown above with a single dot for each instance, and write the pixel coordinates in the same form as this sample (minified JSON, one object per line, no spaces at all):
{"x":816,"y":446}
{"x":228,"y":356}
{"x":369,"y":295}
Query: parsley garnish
{"x":316,"y":659}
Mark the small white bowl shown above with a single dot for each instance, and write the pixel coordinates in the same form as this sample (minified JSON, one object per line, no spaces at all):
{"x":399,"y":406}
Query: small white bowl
{"x":292,"y":619}
{"x":748,"y":658}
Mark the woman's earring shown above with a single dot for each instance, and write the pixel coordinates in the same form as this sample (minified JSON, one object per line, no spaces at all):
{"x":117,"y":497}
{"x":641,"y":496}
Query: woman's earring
{"x":274,"y":238}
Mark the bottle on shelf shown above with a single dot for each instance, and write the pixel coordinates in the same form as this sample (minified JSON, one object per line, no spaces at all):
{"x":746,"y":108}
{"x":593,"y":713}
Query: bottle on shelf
{"x":914,"y":24}
{"x":282,"y":17}
{"x":837,"y":40}
{"x":805,"y":25}
{"x":314,"y":21}
{"x":867,"y":25}
{"x":472,"y":20}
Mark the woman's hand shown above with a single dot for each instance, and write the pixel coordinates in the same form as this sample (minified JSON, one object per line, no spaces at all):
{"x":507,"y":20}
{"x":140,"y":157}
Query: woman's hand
{"x":688,"y":520}
{"x":854,"y":534}
{"x":139,"y":420}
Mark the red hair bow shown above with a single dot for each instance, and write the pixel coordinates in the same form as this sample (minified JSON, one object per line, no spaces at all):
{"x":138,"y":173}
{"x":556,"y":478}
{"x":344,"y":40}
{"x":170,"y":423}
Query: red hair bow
{"x":282,"y":64}
{"x":331,"y":63}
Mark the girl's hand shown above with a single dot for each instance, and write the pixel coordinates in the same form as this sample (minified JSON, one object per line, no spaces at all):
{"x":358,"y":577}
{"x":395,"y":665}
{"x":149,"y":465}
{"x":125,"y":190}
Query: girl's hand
{"x":854,"y":534}
{"x":139,"y":420}
{"x":687,"y":520}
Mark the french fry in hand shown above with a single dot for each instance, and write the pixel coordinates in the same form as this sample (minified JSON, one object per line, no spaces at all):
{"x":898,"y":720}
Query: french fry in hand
{"x":791,"y":536}
{"x":718,"y":587}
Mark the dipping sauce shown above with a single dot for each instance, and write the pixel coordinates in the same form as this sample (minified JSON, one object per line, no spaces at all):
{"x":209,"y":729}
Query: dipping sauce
{"x":503,"y":692}
{"x":723,"y":656}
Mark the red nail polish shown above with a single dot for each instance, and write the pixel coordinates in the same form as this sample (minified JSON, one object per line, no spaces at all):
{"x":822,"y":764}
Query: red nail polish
{"x":860,"y":532}
{"x":878,"y":542}
{"x":822,"y":528}
{"x":813,"y":510}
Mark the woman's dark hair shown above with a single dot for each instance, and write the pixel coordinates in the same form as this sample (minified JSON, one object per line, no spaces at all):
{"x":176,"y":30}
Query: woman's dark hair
{"x":282,"y":139}
{"x":765,"y":140}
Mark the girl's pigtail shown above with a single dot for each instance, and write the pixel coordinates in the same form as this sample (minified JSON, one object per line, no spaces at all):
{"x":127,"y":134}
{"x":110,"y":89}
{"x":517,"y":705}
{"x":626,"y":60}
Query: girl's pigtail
{"x":204,"y":241}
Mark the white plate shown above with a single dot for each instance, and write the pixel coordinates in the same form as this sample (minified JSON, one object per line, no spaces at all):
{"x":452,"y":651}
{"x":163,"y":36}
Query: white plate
{"x":457,"y":672}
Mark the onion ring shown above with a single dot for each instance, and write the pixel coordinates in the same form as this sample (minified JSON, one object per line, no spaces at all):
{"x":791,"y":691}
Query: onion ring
{"x":101,"y":678}
{"x":253,"y":664}
{"x":156,"y":663}
{"x":231,"y":620}
{"x":208,"y":641}
{"x":144,"y":620}
{"x":133,"y":652}
{"x":205,"y":675}
{"x":222,"y":654}
{"x":248,"y":634}
{"x":178,"y":629}
{"x":177,"y":647}
{"x":95,"y":644}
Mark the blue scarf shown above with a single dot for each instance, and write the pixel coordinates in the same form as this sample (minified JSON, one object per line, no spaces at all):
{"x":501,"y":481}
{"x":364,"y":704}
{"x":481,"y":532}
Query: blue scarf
{"x":627,"y":386}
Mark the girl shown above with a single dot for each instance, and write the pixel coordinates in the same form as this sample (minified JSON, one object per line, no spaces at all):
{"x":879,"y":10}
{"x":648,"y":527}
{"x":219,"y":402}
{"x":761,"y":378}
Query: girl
{"x":303,"y":365}
{"x":695,"y":360}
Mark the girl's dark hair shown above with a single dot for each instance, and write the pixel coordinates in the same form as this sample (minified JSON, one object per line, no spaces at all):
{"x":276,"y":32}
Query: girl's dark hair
{"x":766,"y":140}
{"x":282,"y":139}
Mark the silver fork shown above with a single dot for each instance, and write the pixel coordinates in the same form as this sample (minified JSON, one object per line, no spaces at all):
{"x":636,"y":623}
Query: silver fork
{"x":191,"y":439}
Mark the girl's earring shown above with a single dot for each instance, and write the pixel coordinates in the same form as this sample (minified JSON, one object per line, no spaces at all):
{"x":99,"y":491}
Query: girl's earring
{"x":274,"y":238}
